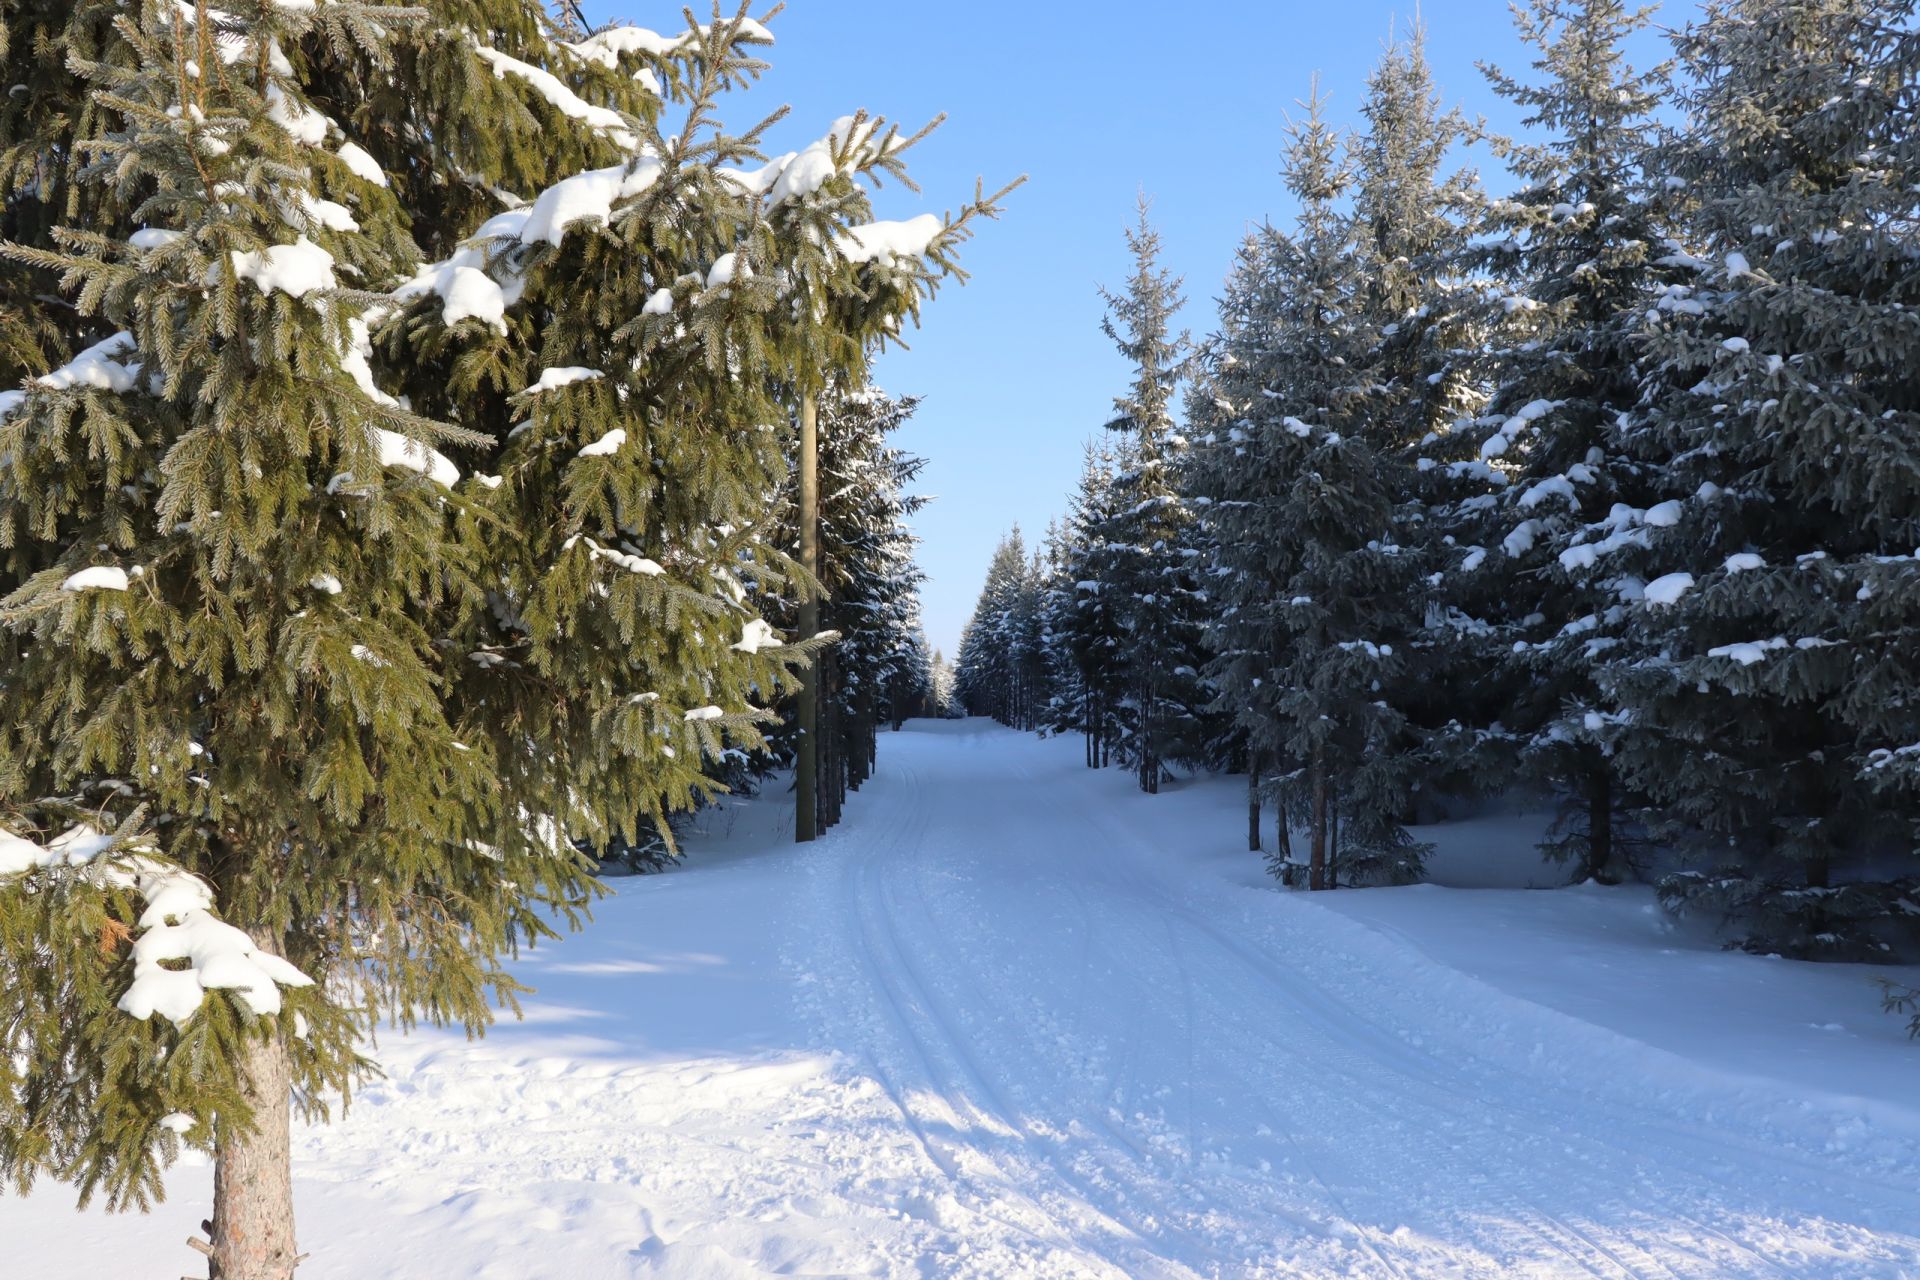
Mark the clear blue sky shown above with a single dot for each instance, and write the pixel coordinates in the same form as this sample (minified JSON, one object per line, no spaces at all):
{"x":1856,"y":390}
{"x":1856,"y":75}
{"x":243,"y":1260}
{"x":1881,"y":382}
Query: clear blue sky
{"x":1094,"y":102}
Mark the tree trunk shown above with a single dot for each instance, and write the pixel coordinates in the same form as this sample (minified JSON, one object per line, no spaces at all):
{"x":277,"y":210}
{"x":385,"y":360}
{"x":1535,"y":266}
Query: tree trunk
{"x":839,"y":775}
{"x":1253,"y":800}
{"x":837,"y":780}
{"x":1317,"y":866}
{"x":827,"y":758}
{"x":1600,"y":823}
{"x":1333,"y":839}
{"x":1149,"y":745}
{"x":806,"y":780}
{"x":252,"y":1228}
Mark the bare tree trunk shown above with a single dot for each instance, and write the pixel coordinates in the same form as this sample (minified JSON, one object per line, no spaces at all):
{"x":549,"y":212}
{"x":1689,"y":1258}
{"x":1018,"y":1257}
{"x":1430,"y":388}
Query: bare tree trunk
{"x":1282,"y":829}
{"x":1149,"y":741}
{"x":1253,"y":799}
{"x":1333,"y":840}
{"x":252,"y":1227}
{"x":828,"y":764}
{"x":1600,"y":822}
{"x":1317,"y":867}
{"x":806,"y":776}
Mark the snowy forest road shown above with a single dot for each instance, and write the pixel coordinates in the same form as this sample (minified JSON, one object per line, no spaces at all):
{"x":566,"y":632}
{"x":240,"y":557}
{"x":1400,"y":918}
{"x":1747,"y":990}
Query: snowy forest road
{"x":1128,"y":1072}
{"x":1015,"y":1020}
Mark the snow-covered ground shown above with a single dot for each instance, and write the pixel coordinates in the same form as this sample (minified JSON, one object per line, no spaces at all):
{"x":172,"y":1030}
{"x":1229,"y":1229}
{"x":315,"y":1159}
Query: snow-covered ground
{"x":1014,"y":1020}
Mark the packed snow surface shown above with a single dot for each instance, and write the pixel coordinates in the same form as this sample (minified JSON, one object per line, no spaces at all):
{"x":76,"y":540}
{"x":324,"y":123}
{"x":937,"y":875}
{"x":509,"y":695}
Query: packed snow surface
{"x":1015,"y":1020}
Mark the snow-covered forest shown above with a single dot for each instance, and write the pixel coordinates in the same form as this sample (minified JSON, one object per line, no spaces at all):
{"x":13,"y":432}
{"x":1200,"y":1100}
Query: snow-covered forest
{"x":1605,"y":487}
{"x":478,"y":797}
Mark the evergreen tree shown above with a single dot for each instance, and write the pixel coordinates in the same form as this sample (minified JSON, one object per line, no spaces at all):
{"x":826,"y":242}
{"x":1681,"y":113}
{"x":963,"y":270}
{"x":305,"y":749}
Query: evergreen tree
{"x":1001,"y":670}
{"x":945,"y":701}
{"x":1422,"y":374}
{"x":1242,"y":473}
{"x":44,"y":123}
{"x":353,"y":668}
{"x":1571,"y":259}
{"x":870,"y":584}
{"x":1083,"y":620}
{"x":911,"y":692}
{"x":1066,"y":707}
{"x":224,"y":686}
{"x":1149,"y":566}
{"x":596,"y":337}
{"x":1765,"y":691}
{"x":1300,"y":498}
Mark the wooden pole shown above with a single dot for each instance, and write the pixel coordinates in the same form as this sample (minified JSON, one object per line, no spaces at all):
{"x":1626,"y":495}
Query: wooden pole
{"x":806,"y":781}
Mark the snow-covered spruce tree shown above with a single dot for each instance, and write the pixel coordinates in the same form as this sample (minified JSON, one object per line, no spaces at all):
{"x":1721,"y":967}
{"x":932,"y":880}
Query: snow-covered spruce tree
{"x":1570,"y":265}
{"x":1001,"y":668}
{"x":910,"y":693}
{"x":237,"y":84}
{"x":1217,"y":741}
{"x":1065,"y":707}
{"x":1301,"y":499}
{"x":1767,"y":689}
{"x":1237,"y":478}
{"x":228,"y":662}
{"x":298,"y":667}
{"x":1082,"y":620}
{"x":44,"y":117}
{"x":1030,"y":641}
{"x":945,"y":702}
{"x":1422,"y":371}
{"x":1362,"y":692}
{"x":1232,"y":484}
{"x":1149,"y":570}
{"x":870,"y":584}
{"x":971,"y":681}
{"x":598,"y":337}
{"x":517,"y":111}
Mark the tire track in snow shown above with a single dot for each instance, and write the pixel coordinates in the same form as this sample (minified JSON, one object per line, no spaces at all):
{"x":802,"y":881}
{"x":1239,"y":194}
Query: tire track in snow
{"x":906,"y":831}
{"x":1154,"y":903}
{"x":1372,"y":1046}
{"x":938,"y":1028}
{"x":1351,"y":1067}
{"x":1016,"y":933}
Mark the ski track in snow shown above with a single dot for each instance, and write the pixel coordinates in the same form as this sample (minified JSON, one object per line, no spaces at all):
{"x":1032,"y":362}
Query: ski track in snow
{"x":1001,"y":1025}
